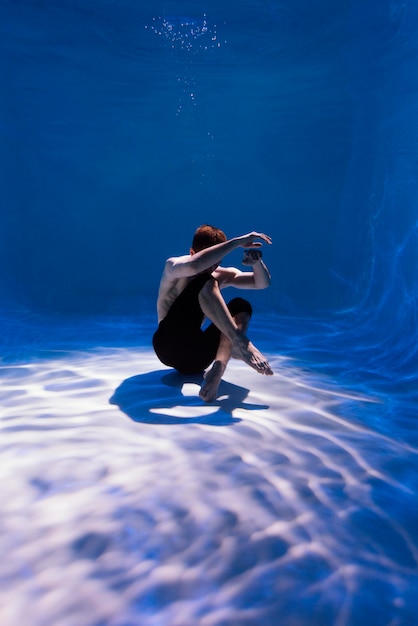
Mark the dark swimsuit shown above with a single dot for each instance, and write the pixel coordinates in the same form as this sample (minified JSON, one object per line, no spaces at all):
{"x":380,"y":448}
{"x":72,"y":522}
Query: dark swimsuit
{"x":180,"y":342}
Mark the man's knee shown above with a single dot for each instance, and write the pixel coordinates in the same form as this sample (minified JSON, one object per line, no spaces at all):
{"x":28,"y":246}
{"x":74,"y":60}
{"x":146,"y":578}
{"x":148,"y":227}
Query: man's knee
{"x":239,"y":305}
{"x":209,"y":289}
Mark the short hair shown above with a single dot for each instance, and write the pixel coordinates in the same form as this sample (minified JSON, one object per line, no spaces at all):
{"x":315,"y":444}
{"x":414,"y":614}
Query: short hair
{"x":207,"y":236}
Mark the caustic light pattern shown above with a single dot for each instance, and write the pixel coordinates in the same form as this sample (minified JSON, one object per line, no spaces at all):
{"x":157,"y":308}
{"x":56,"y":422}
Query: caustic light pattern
{"x":126,"y":500}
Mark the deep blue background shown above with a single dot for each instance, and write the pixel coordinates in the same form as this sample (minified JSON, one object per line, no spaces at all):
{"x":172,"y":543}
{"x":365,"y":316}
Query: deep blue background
{"x":120,"y":135}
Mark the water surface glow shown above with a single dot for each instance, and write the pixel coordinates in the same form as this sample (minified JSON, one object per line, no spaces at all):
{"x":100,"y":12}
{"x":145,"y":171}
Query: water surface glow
{"x":128,"y":501}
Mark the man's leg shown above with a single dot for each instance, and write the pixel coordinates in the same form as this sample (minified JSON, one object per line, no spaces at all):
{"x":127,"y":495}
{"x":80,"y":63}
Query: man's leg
{"x":213,"y":377}
{"x":233,"y":340}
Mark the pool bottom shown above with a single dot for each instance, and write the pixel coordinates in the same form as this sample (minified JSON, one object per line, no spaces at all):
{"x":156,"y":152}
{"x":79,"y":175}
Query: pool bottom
{"x":126,"y":500}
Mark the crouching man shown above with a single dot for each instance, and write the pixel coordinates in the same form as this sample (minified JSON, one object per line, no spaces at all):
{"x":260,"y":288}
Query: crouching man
{"x":190,"y":290}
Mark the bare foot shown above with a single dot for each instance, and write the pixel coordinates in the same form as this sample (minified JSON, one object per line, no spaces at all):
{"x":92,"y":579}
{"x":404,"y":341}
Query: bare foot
{"x":213,"y":377}
{"x":247,"y":352}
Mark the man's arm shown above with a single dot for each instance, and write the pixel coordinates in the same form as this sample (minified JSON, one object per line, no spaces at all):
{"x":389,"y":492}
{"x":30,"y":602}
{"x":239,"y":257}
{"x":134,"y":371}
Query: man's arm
{"x":259,"y":278}
{"x":192,"y":264}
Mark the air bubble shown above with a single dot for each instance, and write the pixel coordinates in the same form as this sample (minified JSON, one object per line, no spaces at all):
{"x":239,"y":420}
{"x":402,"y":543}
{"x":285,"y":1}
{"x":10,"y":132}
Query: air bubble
{"x":179,"y":31}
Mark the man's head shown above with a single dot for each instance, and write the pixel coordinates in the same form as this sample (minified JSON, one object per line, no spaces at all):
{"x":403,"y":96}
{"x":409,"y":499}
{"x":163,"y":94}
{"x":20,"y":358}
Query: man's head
{"x":207,"y":236}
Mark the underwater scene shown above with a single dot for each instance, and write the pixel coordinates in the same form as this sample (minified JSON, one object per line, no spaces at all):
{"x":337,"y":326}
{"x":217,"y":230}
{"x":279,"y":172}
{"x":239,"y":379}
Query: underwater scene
{"x":128,"y":500}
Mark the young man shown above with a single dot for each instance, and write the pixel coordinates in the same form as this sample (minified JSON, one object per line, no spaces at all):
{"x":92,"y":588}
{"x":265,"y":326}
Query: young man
{"x":190,"y":291}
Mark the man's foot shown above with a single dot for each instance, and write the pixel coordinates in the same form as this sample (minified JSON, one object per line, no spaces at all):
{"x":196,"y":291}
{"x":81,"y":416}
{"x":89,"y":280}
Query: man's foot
{"x":213,"y":378}
{"x":247,"y":352}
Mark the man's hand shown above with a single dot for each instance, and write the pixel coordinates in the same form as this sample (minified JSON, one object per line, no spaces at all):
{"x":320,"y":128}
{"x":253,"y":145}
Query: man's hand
{"x":248,"y":241}
{"x":252,"y":256}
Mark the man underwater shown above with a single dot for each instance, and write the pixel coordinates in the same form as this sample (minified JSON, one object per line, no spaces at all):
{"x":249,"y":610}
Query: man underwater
{"x":190,"y":291}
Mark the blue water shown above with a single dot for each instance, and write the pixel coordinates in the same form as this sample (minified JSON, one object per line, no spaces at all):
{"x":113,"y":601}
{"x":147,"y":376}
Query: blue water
{"x":124,"y":126}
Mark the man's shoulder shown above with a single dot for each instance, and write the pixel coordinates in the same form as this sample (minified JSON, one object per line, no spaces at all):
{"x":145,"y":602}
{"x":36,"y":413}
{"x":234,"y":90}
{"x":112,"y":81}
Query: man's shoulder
{"x":175,"y":261}
{"x":224,"y":275}
{"x":178,"y":257}
{"x":226,"y":271}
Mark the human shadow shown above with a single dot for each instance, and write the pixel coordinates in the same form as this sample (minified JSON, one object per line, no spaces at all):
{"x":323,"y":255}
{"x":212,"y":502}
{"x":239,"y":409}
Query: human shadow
{"x":158,"y":398}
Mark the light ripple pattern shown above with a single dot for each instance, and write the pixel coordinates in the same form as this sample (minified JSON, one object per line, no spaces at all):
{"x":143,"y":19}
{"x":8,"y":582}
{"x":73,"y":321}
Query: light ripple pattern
{"x":126,"y":501}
